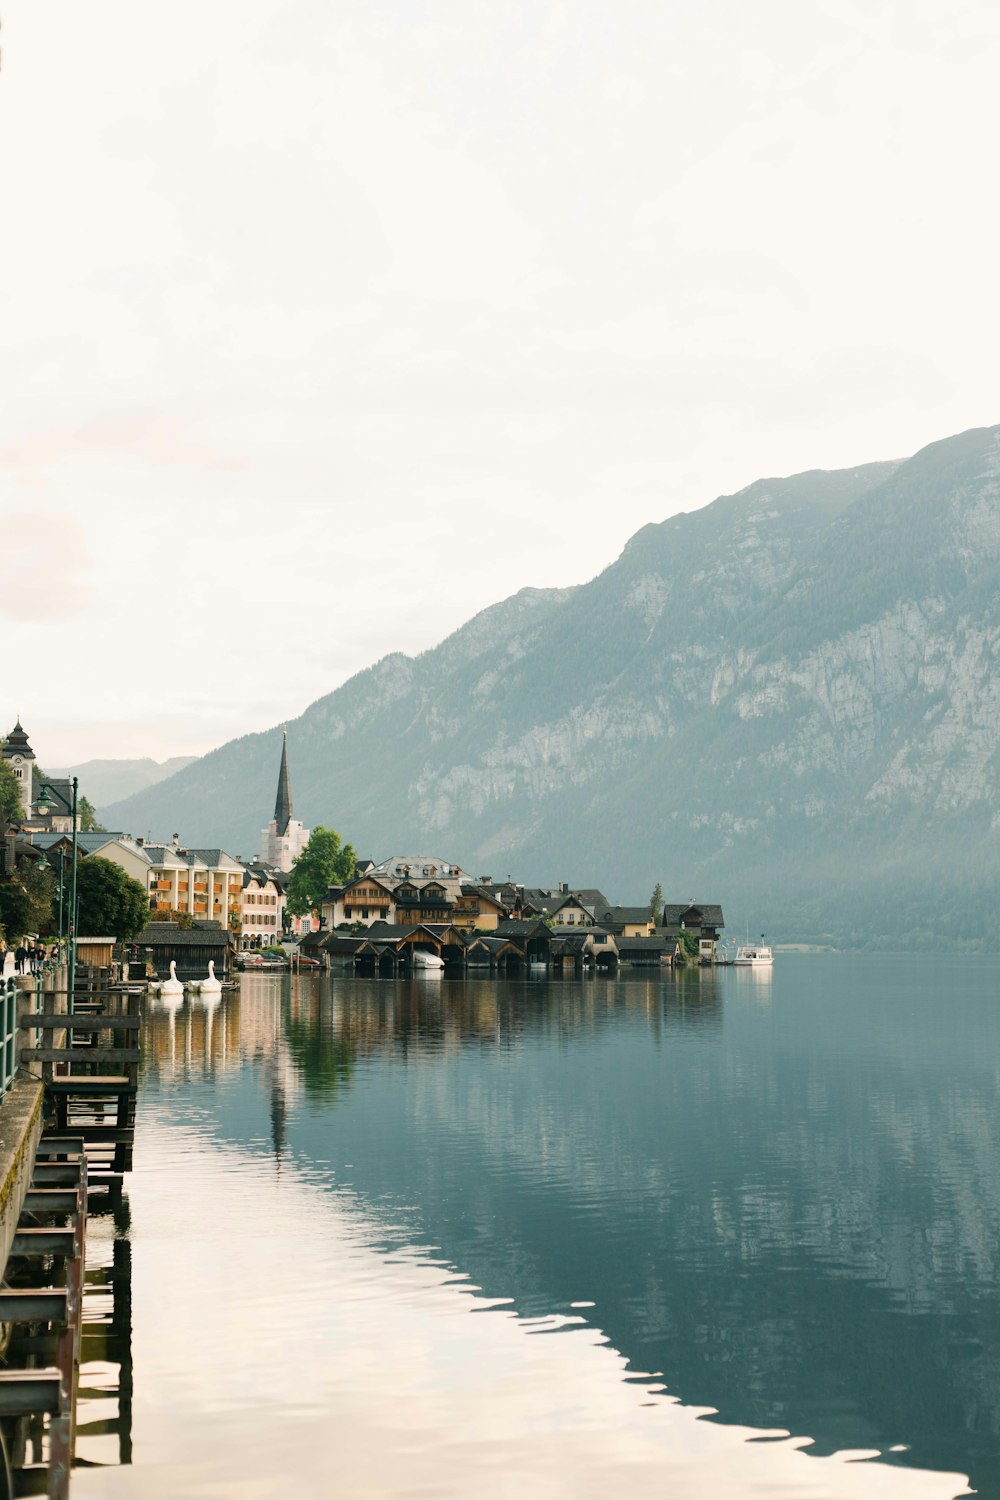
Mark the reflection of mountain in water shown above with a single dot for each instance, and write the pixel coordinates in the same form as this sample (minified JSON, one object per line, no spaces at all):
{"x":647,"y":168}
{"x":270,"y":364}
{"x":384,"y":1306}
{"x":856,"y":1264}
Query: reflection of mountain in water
{"x":786,"y":1203}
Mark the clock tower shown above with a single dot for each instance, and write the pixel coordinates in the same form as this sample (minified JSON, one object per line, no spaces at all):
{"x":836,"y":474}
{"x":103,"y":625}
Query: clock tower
{"x":21,"y":758}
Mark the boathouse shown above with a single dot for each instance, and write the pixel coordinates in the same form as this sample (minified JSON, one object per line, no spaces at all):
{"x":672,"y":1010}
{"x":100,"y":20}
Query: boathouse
{"x":190,"y":948}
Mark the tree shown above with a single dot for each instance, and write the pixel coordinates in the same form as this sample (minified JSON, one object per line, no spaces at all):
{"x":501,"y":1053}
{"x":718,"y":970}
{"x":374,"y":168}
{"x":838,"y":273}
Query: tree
{"x":87,"y":817}
{"x":181,"y":919}
{"x":11,"y":808}
{"x":26,"y":900}
{"x":656,"y":904}
{"x":111,"y":903}
{"x":325,"y":861}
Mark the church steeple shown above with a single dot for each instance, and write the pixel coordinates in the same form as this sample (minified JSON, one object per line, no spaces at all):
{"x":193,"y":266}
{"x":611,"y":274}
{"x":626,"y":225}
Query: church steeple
{"x":284,"y":838}
{"x":283,"y":801}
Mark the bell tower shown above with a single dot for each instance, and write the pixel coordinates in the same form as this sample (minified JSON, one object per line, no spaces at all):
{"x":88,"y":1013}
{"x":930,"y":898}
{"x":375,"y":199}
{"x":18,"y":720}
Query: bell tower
{"x":21,"y":758}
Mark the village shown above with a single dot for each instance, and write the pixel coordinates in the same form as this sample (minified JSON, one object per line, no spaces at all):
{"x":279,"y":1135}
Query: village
{"x":406,"y":911}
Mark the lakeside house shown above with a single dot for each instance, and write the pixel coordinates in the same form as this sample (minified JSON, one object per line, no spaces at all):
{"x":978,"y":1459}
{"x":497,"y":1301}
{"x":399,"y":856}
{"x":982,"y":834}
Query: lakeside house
{"x":412,"y":891}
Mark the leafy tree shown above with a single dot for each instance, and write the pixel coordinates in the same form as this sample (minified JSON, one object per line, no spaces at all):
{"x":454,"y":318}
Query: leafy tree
{"x":11,"y":810}
{"x":182,"y":919}
{"x":687,"y":951}
{"x":325,"y":861}
{"x":87,"y":817}
{"x":111,"y":903}
{"x":656,"y":904}
{"x":26,"y":900}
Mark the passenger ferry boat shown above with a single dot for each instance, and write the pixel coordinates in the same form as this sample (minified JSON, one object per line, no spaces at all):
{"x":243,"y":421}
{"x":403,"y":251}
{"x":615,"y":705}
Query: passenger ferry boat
{"x":757,"y":955}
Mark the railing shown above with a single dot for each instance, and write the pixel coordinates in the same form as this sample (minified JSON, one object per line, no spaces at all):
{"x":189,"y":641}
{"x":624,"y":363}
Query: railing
{"x":8,"y":1033}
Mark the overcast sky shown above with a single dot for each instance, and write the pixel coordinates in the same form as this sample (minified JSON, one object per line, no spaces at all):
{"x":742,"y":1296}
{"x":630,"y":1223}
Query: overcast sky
{"x":327,"y":323}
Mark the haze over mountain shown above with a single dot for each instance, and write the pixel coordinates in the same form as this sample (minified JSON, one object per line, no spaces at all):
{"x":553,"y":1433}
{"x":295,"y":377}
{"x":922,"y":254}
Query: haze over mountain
{"x":111,"y":780}
{"x":785,"y":701}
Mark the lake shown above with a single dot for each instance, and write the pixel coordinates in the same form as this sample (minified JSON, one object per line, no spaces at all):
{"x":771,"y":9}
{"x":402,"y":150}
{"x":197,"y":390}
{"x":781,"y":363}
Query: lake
{"x":728,"y":1233}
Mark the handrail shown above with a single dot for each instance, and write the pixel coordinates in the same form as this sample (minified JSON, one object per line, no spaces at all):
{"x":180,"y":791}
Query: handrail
{"x":8,"y":1033}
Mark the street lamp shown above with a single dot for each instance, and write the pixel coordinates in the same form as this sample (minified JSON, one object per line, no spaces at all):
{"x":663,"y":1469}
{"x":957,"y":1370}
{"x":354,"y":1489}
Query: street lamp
{"x":45,"y":804}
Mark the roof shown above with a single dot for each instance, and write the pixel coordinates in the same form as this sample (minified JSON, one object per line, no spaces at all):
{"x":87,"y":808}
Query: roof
{"x":17,"y":742}
{"x":215,"y":858}
{"x":62,"y":803}
{"x":626,"y":914}
{"x":490,"y":943}
{"x":417,"y":866}
{"x":573,"y":942}
{"x":657,"y":944}
{"x":337,"y":942}
{"x":369,"y":876}
{"x":521,"y":927}
{"x":163,"y":934}
{"x":389,"y":932}
{"x":711,"y":913}
{"x":165,"y":856}
{"x":89,"y":843}
{"x":473,"y":888}
{"x":543,"y":898}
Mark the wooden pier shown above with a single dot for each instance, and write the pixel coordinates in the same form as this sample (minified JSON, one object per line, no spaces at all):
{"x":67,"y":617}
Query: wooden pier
{"x":82,"y":1052}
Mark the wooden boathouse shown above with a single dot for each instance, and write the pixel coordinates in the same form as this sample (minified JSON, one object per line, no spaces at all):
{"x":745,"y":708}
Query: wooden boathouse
{"x":386,"y":949}
{"x":189,"y":948}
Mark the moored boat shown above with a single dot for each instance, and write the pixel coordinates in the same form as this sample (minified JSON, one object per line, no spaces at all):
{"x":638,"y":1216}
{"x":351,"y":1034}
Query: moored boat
{"x":424,"y":960}
{"x":755,"y":955}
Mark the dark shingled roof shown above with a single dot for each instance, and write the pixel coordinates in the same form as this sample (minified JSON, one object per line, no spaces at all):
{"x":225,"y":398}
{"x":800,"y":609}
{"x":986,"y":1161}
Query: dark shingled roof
{"x":711,"y":913}
{"x":18,"y":740}
{"x":211,"y":857}
{"x":168,"y":934}
{"x":543,"y":899}
{"x":625,"y":914}
{"x":522,"y":927}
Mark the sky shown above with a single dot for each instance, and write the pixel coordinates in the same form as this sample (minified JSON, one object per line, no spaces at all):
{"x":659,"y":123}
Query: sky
{"x":327,"y":323}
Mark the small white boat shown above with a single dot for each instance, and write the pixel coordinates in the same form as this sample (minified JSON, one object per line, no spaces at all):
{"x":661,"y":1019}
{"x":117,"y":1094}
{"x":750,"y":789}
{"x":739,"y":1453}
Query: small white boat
{"x":755,"y":955}
{"x":423,"y":960}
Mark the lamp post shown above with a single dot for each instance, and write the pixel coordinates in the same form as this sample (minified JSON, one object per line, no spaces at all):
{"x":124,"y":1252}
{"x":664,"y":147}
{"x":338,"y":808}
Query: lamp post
{"x":45,"y":804}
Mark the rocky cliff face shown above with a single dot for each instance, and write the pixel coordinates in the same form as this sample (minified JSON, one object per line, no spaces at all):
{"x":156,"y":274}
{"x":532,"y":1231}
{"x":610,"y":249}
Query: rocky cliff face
{"x":785,"y":701}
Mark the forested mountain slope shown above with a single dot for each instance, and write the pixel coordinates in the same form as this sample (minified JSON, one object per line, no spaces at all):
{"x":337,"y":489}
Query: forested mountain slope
{"x":785,"y":701}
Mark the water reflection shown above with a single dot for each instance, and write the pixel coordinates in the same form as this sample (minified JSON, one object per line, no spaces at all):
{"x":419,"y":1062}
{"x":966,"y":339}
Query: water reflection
{"x":781,"y":1194}
{"x":104,"y":1425}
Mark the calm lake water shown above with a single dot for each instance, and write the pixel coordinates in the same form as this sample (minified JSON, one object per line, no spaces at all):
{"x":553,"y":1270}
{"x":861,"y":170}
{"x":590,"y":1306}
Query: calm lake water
{"x":729,"y":1234}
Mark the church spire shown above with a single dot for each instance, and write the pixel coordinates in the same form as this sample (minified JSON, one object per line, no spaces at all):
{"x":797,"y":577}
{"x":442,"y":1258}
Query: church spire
{"x":283,"y":801}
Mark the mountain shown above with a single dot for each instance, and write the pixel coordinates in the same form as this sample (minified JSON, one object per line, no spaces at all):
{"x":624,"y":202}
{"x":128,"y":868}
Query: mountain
{"x":104,"y":781}
{"x":784,"y":701}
